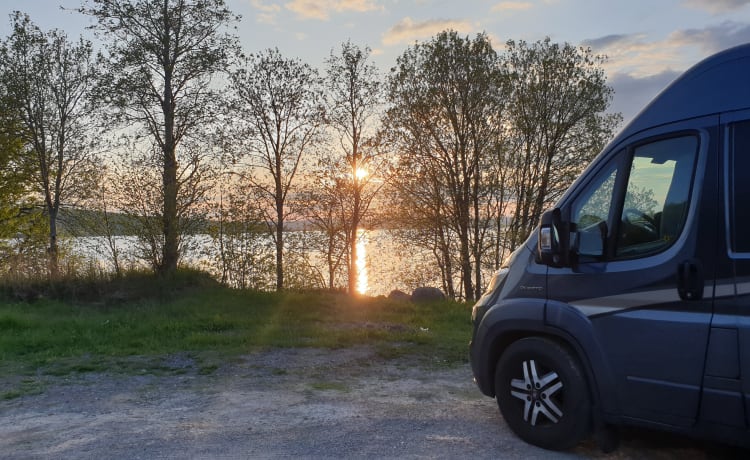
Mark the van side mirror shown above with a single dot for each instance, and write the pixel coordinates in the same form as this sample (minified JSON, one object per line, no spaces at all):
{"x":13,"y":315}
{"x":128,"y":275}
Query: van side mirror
{"x":553,"y":245}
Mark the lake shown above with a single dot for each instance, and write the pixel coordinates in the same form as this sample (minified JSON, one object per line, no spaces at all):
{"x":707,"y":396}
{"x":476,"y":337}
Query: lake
{"x":383,"y":263}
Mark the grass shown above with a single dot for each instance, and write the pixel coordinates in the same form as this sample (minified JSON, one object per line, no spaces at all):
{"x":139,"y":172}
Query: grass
{"x":191,"y":316}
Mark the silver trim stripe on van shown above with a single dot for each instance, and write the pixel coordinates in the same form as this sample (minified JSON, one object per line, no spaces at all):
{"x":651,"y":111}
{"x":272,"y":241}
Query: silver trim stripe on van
{"x":609,"y":304}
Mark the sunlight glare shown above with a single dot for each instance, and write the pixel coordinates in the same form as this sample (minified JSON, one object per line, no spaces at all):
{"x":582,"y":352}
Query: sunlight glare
{"x":361,"y":173}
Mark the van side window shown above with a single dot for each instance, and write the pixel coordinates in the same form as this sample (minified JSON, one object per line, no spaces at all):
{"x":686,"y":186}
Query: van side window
{"x":739,"y":186}
{"x":650,"y":201}
{"x":591,"y":214}
{"x":657,"y":196}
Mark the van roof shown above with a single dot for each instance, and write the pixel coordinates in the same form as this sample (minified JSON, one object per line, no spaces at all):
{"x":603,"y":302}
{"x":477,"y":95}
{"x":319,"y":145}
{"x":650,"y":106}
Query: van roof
{"x":719,"y":83}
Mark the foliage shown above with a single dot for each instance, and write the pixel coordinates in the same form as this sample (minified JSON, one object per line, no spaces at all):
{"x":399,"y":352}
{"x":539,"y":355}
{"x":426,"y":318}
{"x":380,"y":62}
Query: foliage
{"x":243,"y":256}
{"x":162,"y":57}
{"x":557,"y":123}
{"x":16,"y":172}
{"x":48,"y":81}
{"x":278,"y":113}
{"x":471,"y":146}
{"x":352,"y":178}
{"x":447,"y":97}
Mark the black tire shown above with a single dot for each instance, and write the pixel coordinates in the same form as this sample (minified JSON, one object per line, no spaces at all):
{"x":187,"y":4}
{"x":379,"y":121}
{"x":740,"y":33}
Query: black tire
{"x":542,"y":393}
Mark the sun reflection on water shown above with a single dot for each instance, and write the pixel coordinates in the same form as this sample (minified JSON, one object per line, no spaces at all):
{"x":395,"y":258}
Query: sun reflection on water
{"x":361,"y":262}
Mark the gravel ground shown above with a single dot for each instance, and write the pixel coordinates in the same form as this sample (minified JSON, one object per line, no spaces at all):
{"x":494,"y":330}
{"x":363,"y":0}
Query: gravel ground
{"x":295,"y":403}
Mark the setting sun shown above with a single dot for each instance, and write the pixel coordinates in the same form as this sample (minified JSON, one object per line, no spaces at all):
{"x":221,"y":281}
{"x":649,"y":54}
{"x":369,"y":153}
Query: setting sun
{"x":361,"y":173}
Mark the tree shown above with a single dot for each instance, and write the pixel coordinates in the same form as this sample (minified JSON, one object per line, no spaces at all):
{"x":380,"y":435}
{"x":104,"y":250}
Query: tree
{"x":242,"y":256}
{"x":325,"y":209}
{"x":162,"y":57}
{"x":558,"y":123}
{"x":354,"y":98}
{"x":141,"y":196}
{"x":15,"y":173}
{"x":447,"y":97}
{"x":278,"y":113}
{"x":49,"y":81}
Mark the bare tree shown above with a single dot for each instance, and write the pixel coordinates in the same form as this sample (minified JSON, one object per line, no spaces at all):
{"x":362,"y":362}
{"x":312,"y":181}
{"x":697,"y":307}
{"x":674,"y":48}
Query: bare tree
{"x":50,"y":80}
{"x":162,"y":57}
{"x":278,"y":114}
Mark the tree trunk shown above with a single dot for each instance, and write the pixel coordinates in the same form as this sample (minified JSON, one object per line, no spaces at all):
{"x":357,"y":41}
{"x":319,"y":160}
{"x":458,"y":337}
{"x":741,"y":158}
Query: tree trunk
{"x":52,"y":250}
{"x":170,"y":251}
{"x":280,"y":253}
{"x":279,"y":228}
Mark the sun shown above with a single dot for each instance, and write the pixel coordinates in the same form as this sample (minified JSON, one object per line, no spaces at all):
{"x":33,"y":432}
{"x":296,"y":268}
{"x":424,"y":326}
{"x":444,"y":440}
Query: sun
{"x":361,"y":173}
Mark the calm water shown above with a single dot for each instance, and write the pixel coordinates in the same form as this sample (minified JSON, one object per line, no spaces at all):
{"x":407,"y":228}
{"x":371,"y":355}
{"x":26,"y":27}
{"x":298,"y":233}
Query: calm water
{"x":383,"y":264}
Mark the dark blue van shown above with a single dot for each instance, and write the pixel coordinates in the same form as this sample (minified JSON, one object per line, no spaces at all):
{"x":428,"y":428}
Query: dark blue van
{"x":630,"y":304}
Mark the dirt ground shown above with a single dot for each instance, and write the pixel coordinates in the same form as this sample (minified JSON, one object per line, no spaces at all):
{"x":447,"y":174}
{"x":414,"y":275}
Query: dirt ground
{"x":292,"y":403}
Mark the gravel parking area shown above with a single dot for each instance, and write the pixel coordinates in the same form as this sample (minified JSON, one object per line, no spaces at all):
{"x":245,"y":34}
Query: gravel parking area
{"x":292,"y":403}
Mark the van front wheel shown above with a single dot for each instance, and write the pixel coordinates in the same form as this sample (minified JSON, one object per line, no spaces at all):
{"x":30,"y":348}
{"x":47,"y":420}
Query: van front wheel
{"x":542,"y":393}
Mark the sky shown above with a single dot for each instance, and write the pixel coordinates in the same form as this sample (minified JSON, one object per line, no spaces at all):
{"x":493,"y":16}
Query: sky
{"x":648,"y":42}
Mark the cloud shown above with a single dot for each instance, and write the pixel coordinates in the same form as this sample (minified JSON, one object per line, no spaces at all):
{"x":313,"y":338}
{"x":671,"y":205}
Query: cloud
{"x":266,"y":13}
{"x":716,"y":6}
{"x":607,"y":41}
{"x":511,"y":6}
{"x":639,"y":68}
{"x":713,"y":38}
{"x":407,"y":30}
{"x":322,"y":9}
{"x":637,"y":56}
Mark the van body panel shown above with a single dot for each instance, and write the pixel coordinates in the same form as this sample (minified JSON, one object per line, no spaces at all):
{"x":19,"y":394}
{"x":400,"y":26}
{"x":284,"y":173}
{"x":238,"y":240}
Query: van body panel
{"x":576,"y":327}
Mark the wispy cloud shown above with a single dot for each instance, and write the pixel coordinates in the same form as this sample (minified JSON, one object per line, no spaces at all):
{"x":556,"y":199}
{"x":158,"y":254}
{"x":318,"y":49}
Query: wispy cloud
{"x":608,"y":41}
{"x":266,"y":12}
{"x":713,"y":38}
{"x":636,"y":55}
{"x":322,"y":9}
{"x":511,"y":6}
{"x":716,"y":6}
{"x":407,"y":30}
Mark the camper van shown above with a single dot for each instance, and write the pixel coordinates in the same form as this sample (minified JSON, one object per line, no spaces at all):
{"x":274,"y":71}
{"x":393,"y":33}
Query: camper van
{"x":630,"y":303}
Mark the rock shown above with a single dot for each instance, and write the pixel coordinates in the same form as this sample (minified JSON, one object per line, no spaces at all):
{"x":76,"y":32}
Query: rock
{"x":400,"y":296}
{"x":427,"y":294}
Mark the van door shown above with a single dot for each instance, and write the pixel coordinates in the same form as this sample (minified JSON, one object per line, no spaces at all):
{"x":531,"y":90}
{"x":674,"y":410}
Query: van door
{"x":645,"y":230}
{"x":726,"y":398}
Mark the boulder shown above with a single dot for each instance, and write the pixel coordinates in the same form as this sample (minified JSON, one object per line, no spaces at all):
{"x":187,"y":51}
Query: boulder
{"x":427,"y":294}
{"x":400,"y":296}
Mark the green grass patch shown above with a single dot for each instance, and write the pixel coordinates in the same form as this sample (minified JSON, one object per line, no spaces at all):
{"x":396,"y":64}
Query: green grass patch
{"x":26,"y":387}
{"x":201,"y":318}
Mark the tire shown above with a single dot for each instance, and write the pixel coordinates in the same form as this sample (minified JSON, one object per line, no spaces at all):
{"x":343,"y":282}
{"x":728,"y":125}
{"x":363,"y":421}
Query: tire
{"x":542,"y":393}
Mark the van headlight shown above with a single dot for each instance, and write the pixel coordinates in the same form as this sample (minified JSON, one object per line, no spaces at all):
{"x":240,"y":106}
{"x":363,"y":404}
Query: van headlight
{"x":495,"y":282}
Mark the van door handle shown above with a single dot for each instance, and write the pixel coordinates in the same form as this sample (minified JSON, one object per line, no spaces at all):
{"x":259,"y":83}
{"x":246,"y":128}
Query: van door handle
{"x":690,"y":280}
